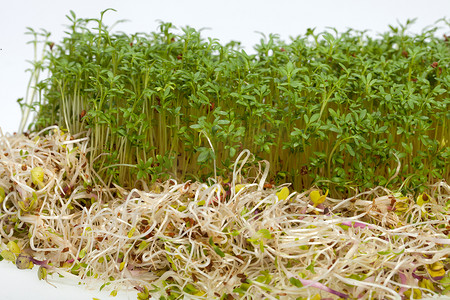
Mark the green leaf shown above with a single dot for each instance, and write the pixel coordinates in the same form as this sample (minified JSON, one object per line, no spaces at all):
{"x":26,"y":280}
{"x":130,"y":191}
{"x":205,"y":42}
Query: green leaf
{"x":311,"y":267}
{"x":140,"y":174}
{"x":261,"y":246}
{"x":82,"y":253}
{"x":350,"y":150}
{"x":219,"y":251}
{"x":314,"y":118}
{"x":223,"y":122}
{"x":190,"y":289}
{"x":358,"y":277}
{"x":42,"y":273}
{"x":306,"y":118}
{"x":131,"y":232}
{"x":232,"y":154}
{"x":104,"y":285}
{"x":8,"y":255}
{"x":37,"y":176}
{"x":235,"y":233}
{"x":242,"y":289}
{"x":142,"y":245}
{"x":265,"y":233}
{"x":203,"y":156}
{"x":294,"y":281}
{"x":13,"y":247}
{"x":2,"y":194}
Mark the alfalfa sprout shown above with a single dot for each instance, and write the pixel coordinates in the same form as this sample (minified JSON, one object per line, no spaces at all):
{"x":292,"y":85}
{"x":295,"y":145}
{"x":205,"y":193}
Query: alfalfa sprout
{"x":228,"y":238}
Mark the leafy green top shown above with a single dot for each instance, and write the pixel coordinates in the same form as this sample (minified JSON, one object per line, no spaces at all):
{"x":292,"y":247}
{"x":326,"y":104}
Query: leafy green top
{"x":343,"y":110}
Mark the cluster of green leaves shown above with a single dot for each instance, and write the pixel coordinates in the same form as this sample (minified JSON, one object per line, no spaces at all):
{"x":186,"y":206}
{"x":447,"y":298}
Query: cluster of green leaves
{"x":338,"y":109}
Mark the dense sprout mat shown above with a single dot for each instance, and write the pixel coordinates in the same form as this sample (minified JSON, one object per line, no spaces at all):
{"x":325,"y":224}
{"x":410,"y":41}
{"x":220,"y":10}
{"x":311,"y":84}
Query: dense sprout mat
{"x":334,"y":110}
{"x":227,"y":238}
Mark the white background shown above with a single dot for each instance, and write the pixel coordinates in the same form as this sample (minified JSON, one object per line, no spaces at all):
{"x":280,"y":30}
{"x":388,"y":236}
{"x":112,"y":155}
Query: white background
{"x":227,"y":20}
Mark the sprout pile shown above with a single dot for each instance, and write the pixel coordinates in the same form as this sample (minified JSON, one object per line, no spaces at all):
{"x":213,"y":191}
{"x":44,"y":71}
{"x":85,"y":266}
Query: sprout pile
{"x":227,"y":238}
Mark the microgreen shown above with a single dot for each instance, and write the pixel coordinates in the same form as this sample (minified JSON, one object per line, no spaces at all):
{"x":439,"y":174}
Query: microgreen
{"x":344,"y":110}
{"x":13,"y":247}
{"x":164,"y":238}
{"x":23,"y":262}
{"x":105,"y":198}
{"x":218,"y":251}
{"x":8,"y":255}
{"x":436,"y":270}
{"x":2,"y":195}
{"x":259,"y":238}
{"x":283,"y":193}
{"x":144,"y":294}
{"x":37,"y":176}
{"x":316,"y":198}
{"x":42,"y":273}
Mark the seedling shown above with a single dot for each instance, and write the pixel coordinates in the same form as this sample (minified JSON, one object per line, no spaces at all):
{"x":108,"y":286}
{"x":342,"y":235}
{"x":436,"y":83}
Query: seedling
{"x":103,"y":196}
{"x":341,"y":110}
{"x":181,"y":237}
